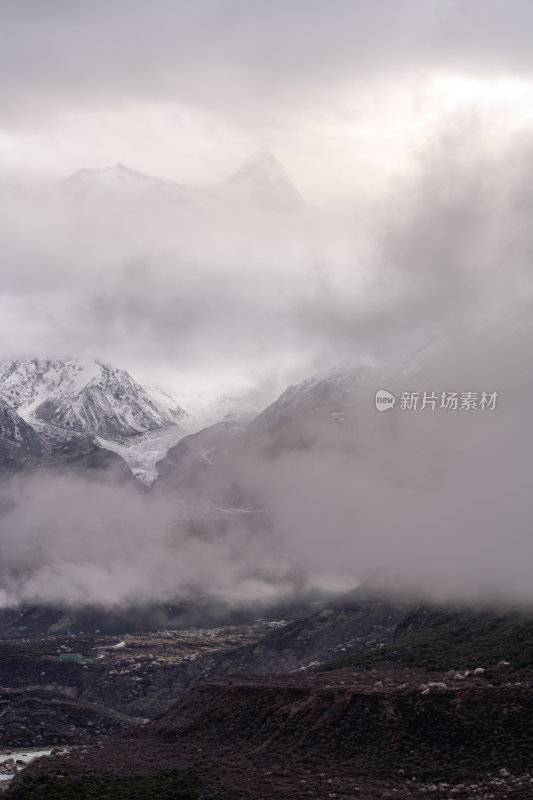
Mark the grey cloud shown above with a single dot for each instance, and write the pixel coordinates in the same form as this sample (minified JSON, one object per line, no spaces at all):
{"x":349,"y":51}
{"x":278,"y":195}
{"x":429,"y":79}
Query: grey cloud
{"x":75,"y":541}
{"x":218,"y":53}
{"x":449,"y":249}
{"x":427,"y":500}
{"x":439,"y":502}
{"x":432,"y":501}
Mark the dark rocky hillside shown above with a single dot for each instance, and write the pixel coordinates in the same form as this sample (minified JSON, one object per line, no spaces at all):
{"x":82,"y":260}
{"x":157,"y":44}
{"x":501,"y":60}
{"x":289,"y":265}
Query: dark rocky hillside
{"x":365,"y":630}
{"x":412,"y":700}
{"x":37,"y":717}
{"x":452,"y":639}
{"x":143,"y":687}
{"x":362,"y":621}
{"x":344,"y":734}
{"x":20,"y":445}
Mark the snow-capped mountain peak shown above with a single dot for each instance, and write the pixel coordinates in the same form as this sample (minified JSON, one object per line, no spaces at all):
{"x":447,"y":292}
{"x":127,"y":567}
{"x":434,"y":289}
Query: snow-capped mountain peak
{"x":111,"y":179}
{"x":264,"y":179}
{"x":261,"y":164}
{"x":85,"y":396}
{"x":260,"y":182}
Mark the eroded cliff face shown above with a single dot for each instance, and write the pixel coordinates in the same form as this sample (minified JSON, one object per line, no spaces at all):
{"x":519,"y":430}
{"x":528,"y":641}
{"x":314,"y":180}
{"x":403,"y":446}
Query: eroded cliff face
{"x":389,"y":717}
{"x":341,"y":734}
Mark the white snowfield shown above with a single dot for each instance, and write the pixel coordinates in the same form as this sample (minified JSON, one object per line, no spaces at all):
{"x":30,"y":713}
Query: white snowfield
{"x":65,"y":400}
{"x":83,"y":396}
{"x":141,"y":453}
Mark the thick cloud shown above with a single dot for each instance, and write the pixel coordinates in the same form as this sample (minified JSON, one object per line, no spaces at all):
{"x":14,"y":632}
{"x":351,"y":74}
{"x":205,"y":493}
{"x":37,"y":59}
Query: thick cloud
{"x":219,"y":50}
{"x":428,"y":500}
{"x":159,"y":286}
{"x":75,"y":541}
{"x":186,"y":89}
{"x":415,"y":117}
{"x":436,"y":501}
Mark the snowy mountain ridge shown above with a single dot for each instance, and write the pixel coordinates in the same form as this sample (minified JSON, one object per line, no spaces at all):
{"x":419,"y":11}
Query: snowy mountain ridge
{"x":113,"y":176}
{"x":53,"y":407}
{"x":82,"y":396}
{"x":261,"y":180}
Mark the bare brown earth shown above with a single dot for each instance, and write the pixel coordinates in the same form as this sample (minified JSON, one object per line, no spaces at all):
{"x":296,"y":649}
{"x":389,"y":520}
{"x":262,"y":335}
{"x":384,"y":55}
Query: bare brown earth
{"x":342,"y":734}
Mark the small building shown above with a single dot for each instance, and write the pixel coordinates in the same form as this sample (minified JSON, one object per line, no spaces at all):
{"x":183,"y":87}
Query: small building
{"x":77,"y":658}
{"x":74,"y":658}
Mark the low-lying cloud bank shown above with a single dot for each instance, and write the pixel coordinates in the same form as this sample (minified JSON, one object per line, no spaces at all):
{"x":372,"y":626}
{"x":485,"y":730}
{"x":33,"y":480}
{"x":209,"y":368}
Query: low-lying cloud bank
{"x":431,"y":500}
{"x":437,"y":501}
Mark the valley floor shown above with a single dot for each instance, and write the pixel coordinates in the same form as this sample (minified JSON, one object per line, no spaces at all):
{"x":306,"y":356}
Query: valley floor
{"x":366,"y":698}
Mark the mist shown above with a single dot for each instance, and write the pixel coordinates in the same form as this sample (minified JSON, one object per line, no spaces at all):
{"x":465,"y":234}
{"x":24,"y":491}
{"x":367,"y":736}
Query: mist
{"x":74,"y":541}
{"x":435,"y":502}
{"x":406,"y":132}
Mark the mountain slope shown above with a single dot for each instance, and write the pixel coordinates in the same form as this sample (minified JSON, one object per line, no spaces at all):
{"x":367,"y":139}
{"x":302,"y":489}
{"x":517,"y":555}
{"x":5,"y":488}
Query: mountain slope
{"x":328,"y":392}
{"x":20,"y":445}
{"x":455,"y":639}
{"x":85,"y":397}
{"x":263,"y":179}
{"x":58,"y":717}
{"x":342,"y":735}
{"x":115,"y":177}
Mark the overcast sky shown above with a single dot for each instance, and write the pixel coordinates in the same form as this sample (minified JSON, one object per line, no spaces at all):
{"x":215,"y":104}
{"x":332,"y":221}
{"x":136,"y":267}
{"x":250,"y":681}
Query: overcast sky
{"x":343,"y":92}
{"x":386,"y":115}
{"x":407,"y":127}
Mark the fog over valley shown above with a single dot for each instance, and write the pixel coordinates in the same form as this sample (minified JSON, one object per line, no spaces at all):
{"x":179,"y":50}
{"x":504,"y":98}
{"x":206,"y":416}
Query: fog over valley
{"x":206,"y":250}
{"x":266,"y":314}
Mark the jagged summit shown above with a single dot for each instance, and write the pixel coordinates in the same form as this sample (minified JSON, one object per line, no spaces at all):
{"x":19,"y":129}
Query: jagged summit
{"x":260,"y":163}
{"x":114,"y":177}
{"x":261,"y":180}
{"x":82,"y":395}
{"x":264,"y":178}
